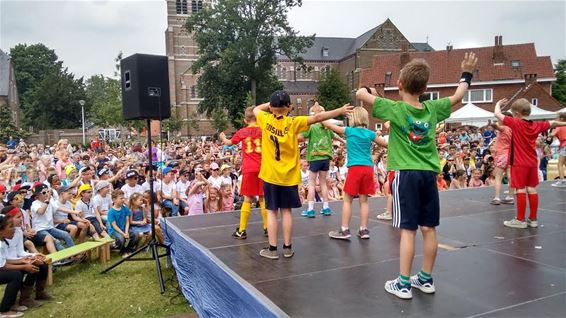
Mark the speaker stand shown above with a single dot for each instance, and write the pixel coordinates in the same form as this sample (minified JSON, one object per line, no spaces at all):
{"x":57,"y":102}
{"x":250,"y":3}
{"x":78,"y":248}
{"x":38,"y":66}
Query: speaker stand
{"x":153,"y":244}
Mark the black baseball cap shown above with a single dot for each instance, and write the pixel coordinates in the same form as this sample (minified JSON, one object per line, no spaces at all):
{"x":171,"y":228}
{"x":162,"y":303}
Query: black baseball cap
{"x":280,"y":98}
{"x":132,"y":174}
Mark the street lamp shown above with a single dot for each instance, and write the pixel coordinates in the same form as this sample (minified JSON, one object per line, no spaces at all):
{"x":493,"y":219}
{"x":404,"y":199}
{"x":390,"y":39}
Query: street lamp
{"x":82,"y":103}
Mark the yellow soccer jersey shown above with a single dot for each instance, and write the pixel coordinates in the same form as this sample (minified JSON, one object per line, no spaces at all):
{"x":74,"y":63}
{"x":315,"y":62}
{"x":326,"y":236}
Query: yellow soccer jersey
{"x":280,"y":148}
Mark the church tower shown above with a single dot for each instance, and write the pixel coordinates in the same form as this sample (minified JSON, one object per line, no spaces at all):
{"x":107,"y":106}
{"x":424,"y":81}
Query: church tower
{"x":182,"y":52}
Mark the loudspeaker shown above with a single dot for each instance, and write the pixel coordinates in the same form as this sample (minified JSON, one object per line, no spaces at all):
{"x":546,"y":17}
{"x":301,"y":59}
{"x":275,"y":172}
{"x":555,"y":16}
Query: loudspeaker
{"x":145,"y":87}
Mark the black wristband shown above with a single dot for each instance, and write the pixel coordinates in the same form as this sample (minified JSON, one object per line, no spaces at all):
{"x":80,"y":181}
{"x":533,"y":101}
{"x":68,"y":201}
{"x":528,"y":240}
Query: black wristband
{"x":466,"y":77}
{"x":367,"y":89}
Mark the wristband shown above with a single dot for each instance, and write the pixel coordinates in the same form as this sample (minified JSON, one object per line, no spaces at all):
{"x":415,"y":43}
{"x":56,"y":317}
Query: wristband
{"x":466,"y":77}
{"x":367,"y":89}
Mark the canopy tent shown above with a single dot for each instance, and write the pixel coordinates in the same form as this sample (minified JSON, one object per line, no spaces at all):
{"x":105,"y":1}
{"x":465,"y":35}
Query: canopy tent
{"x":539,"y":113}
{"x":471,"y":114}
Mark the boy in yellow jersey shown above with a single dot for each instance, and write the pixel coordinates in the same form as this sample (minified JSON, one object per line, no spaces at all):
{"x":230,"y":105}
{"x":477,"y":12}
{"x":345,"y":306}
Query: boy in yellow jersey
{"x":280,"y":170}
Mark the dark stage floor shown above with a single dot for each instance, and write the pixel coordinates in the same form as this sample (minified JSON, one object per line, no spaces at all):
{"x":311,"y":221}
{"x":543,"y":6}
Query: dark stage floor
{"x":483,"y":268}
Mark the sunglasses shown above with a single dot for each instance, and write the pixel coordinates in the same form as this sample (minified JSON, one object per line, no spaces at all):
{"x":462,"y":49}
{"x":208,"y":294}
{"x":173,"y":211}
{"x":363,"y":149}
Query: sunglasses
{"x":215,"y":169}
{"x":44,"y":192}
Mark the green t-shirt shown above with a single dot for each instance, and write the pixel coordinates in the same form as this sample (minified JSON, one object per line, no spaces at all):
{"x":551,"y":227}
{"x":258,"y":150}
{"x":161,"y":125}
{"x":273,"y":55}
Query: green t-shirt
{"x":412,"y":136}
{"x":320,"y":142}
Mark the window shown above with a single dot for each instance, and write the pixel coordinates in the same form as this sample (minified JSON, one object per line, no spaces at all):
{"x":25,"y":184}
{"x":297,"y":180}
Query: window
{"x":281,"y":72}
{"x":181,"y":7}
{"x":324,"y":51}
{"x":303,"y":73}
{"x":534,"y":101}
{"x":193,"y":92}
{"x":515,"y":63}
{"x":196,"y":6}
{"x":429,"y":96}
{"x":478,"y":96}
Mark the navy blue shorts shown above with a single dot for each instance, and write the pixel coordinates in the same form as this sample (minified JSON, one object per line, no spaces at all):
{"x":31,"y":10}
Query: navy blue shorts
{"x":63,"y":226}
{"x":415,"y":199}
{"x":319,"y":165}
{"x":281,"y":197}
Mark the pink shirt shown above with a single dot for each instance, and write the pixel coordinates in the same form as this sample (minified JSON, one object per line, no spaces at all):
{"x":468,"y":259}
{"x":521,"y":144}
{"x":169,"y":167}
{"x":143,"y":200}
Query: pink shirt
{"x":503,"y":141}
{"x":195,"y":201}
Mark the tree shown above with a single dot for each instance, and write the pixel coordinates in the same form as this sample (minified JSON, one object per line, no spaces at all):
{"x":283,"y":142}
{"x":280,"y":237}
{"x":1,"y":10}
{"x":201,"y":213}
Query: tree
{"x":219,"y":121}
{"x":7,"y":127}
{"x":559,"y":87}
{"x":173,"y":123}
{"x":54,"y":101}
{"x":332,"y":90}
{"x":238,"y":44}
{"x":104,"y":97}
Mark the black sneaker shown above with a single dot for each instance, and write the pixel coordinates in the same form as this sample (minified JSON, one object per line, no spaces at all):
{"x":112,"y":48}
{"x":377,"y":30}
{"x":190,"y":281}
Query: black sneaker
{"x":363,"y":234}
{"x":340,"y":235}
{"x":240,"y":235}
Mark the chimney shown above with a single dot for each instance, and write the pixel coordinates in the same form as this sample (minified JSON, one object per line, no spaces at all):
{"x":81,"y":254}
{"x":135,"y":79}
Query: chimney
{"x":380,"y":88}
{"x":404,"y":58}
{"x":498,"y":55}
{"x":530,"y":78}
{"x":449,"y":47}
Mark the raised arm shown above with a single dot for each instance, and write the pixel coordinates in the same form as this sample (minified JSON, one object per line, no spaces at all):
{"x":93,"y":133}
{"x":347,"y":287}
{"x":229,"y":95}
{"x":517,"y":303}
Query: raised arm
{"x":497,"y":111}
{"x":468,"y":66}
{"x":380,"y":141}
{"x":344,"y":110}
{"x":335,"y":128}
{"x":366,"y":95}
{"x":261,"y":108}
{"x":556,"y":123}
{"x":224,"y":140}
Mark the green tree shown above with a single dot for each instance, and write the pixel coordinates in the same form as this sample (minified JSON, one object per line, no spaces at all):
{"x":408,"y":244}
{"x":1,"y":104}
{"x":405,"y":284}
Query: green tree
{"x":239,"y":41}
{"x":333,"y":92}
{"x":54,"y":101}
{"x":219,"y":121}
{"x":174,"y":123}
{"x":7,"y":127}
{"x":105,"y":100}
{"x":559,"y":87}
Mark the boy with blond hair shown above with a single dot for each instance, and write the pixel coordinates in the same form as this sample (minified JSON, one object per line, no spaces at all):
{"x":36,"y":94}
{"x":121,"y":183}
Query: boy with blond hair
{"x":523,"y":158}
{"x":413,"y":156}
{"x":252,"y":186}
{"x":280,"y":170}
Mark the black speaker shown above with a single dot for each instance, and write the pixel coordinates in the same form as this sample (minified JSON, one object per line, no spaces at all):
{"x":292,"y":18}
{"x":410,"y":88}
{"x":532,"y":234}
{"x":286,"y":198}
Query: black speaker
{"x":145,"y":87}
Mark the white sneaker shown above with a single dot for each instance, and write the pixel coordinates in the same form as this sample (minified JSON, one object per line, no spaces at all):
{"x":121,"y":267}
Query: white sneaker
{"x":396,"y":288}
{"x":426,"y":287}
{"x":386,"y":216}
{"x":559,"y":184}
{"x":515,"y":224}
{"x":532,"y":223}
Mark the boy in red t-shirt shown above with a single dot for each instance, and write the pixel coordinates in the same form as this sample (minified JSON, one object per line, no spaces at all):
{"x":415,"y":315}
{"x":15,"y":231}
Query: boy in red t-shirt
{"x":252,"y":186}
{"x":523,"y":158}
{"x":560,"y":133}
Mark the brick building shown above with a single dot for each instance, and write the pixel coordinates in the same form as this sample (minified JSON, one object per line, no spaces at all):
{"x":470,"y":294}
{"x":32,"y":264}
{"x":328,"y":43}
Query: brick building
{"x":504,"y":71}
{"x":8,"y":90}
{"x":182,"y":52}
{"x":348,"y":55}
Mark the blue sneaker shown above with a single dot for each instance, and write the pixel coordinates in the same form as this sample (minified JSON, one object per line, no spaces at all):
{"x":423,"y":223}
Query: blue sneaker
{"x":304,"y":213}
{"x":326,"y":212}
{"x":396,"y":288}
{"x":311,"y":214}
{"x":424,"y":286}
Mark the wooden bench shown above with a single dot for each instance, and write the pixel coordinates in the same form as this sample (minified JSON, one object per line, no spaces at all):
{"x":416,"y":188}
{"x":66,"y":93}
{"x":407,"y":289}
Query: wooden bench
{"x":102,"y":247}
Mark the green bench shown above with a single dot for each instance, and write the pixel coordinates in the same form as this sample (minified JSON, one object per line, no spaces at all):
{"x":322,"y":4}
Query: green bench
{"x":102,"y":247}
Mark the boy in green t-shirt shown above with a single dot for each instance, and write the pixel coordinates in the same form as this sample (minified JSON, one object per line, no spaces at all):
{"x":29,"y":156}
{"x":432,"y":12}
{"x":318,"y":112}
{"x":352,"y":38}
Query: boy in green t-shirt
{"x":319,"y":153}
{"x":413,"y":156}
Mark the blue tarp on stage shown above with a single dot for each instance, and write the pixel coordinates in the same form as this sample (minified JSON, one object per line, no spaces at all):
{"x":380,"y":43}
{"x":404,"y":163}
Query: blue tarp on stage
{"x":209,"y":285}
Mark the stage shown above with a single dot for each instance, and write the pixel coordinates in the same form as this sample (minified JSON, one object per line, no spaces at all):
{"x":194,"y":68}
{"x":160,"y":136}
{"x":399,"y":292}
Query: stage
{"x":483,"y":269}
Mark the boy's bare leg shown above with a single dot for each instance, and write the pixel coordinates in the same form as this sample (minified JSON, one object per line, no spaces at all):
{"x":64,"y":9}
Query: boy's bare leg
{"x":323,"y":185}
{"x":272,"y":227}
{"x":430,"y":248}
{"x":498,"y":179}
{"x":287,"y":225}
{"x":407,"y":251}
{"x":346,"y":210}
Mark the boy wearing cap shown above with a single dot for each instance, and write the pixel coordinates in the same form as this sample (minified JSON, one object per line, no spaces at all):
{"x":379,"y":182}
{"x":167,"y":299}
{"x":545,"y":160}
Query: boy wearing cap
{"x":41,"y":224}
{"x":168,"y":191}
{"x":102,"y":201}
{"x":215,"y":179}
{"x":225,"y":177}
{"x":62,"y":208}
{"x":280,"y":170}
{"x":252,"y":186}
{"x":87,"y":213}
{"x":131,"y":185}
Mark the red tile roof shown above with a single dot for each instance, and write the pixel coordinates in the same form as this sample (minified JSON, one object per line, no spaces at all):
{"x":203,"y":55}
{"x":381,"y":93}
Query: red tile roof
{"x":445,"y":65}
{"x":552,"y":103}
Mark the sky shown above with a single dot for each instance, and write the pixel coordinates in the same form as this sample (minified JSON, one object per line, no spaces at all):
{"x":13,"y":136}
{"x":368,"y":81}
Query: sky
{"x":87,"y":35}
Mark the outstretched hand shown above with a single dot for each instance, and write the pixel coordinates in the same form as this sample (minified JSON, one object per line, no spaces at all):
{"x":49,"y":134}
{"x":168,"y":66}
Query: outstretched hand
{"x":469,"y":63}
{"x":502,"y":102}
{"x":346,"y":109}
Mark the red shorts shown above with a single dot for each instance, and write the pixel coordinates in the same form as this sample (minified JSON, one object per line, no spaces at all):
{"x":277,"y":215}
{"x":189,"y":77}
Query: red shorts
{"x":252,"y":185}
{"x":360,"y":181}
{"x":390,"y":177}
{"x":522,"y":177}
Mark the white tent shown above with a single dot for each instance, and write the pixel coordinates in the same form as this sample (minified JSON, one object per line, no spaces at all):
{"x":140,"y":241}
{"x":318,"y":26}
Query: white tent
{"x":539,"y":113}
{"x":471,"y":114}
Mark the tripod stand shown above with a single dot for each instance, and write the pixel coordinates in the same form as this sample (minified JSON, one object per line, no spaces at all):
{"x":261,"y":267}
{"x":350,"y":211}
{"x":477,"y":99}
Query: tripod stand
{"x":153,"y":243}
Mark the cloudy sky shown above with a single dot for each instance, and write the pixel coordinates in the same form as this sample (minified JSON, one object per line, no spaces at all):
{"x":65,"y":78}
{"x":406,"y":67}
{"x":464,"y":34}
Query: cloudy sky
{"x":87,"y":35}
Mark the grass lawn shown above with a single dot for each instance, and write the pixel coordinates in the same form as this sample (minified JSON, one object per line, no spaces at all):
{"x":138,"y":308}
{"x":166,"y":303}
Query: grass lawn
{"x":130,"y":290}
